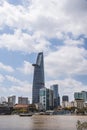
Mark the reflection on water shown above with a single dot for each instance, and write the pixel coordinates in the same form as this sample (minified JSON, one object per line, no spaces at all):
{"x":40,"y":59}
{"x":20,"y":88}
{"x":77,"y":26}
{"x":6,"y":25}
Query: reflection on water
{"x":40,"y":122}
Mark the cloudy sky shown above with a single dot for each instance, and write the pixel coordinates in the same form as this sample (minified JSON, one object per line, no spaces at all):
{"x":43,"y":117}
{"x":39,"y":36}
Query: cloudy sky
{"x":59,"y":29}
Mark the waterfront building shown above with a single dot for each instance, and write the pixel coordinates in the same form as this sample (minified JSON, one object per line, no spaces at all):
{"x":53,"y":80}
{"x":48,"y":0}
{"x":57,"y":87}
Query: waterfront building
{"x":65,"y":98}
{"x":38,"y":78}
{"x":78,"y":95}
{"x":79,"y":103}
{"x":65,"y":101}
{"x":11,"y":100}
{"x":46,"y":98}
{"x":85,"y":104}
{"x":72,"y":104}
{"x":65,"y":104}
{"x":56,"y":98}
{"x":84,"y":95}
{"x":23,"y":100}
{"x":19,"y":108}
{"x":81,"y":95}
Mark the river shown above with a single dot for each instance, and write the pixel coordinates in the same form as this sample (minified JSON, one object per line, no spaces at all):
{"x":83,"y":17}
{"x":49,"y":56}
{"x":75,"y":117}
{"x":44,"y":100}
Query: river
{"x":40,"y":122}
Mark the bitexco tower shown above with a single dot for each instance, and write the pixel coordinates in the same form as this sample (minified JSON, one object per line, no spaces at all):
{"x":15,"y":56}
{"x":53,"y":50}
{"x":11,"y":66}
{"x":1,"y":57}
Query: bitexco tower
{"x":38,"y":78}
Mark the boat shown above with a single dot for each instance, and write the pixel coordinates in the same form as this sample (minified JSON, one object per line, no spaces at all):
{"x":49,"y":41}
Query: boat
{"x":25,"y":114}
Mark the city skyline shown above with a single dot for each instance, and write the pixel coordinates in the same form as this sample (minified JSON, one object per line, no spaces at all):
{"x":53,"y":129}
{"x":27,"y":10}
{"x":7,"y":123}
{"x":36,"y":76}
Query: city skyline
{"x":57,"y":29}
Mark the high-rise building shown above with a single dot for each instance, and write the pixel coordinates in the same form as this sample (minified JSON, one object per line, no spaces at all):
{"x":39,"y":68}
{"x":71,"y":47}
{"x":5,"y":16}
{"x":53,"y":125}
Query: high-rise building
{"x":65,"y":101}
{"x":46,"y":98}
{"x":78,"y":95}
{"x":81,"y":95}
{"x":56,"y":97}
{"x":84,"y":94}
{"x":23,"y":100}
{"x":11,"y":100}
{"x":38,"y":78}
{"x":65,"y":98}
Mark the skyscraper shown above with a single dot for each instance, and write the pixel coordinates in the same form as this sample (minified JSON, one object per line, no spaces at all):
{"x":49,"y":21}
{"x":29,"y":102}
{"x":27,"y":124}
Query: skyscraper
{"x":46,"y":98}
{"x":78,"y":95}
{"x":65,"y":98}
{"x":84,"y":93}
{"x":56,"y":97}
{"x":65,"y":101}
{"x":81,"y":95}
{"x":38,"y":78}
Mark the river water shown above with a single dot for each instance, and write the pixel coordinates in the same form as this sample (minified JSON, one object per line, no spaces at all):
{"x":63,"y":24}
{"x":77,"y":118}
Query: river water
{"x":40,"y":122}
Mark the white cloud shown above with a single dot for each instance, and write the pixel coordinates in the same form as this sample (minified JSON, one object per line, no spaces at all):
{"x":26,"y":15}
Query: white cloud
{"x":18,"y":87}
{"x":18,"y":41}
{"x":23,"y":42}
{"x":3,"y":91}
{"x":14,"y":16}
{"x":1,"y":78}
{"x":42,"y":20}
{"x":6,"y":67}
{"x":25,"y":90}
{"x":12,"y":79}
{"x":15,"y":80}
{"x":69,"y":41}
{"x":26,"y":68}
{"x":18,"y":90}
{"x":66,"y":61}
{"x":54,"y":16}
{"x":47,"y":16}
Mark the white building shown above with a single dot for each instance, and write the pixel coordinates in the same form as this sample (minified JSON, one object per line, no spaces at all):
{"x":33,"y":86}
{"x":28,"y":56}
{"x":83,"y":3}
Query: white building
{"x":79,"y":103}
{"x":46,"y":98}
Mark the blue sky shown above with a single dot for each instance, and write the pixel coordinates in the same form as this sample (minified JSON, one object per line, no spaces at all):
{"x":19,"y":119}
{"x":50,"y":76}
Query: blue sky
{"x":59,"y":29}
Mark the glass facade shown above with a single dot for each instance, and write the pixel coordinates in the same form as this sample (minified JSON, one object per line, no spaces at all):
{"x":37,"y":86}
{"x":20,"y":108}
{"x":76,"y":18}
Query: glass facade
{"x":81,"y":95}
{"x":56,"y":97}
{"x":65,"y":98}
{"x":84,"y":94}
{"x":46,"y":98}
{"x":38,"y":78}
{"x":55,"y":89}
